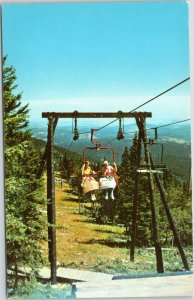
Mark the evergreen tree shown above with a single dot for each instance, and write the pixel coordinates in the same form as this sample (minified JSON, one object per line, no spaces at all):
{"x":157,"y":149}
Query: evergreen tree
{"x":69,"y":165}
{"x":23,"y":200}
{"x":178,"y":200}
{"x":127,"y":174}
{"x":125,"y":189}
{"x":180,"y":205}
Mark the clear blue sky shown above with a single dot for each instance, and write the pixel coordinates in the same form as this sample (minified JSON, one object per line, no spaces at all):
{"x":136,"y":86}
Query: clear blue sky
{"x":100,"y":56}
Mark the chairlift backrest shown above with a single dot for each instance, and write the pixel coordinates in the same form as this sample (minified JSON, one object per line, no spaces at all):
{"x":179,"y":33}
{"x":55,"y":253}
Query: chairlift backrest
{"x":98,"y":148}
{"x":152,"y":143}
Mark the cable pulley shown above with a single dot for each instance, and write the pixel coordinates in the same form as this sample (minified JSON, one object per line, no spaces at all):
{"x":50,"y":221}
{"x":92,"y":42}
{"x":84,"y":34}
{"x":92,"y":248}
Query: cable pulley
{"x":76,"y":132}
{"x":156,"y":133}
{"x":120,"y":134}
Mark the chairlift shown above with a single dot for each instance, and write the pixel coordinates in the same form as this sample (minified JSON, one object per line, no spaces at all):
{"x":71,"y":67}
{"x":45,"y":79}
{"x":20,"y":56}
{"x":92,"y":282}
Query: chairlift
{"x":159,"y":167}
{"x":98,"y":147}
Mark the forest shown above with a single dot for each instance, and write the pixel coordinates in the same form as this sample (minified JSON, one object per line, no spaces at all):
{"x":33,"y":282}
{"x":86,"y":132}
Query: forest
{"x":25,"y":200}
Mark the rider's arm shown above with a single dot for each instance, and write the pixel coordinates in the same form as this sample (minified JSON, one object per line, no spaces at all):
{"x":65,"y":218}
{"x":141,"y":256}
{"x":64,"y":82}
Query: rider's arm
{"x":82,"y":169}
{"x":103,"y":171}
{"x":115,"y":167}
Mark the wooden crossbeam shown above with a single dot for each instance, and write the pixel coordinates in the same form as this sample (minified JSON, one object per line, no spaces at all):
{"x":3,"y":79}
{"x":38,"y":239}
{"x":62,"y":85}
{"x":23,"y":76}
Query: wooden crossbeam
{"x":96,"y":114}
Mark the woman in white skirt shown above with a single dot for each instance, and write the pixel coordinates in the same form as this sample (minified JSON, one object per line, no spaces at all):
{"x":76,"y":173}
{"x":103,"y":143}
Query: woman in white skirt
{"x":107,"y":182}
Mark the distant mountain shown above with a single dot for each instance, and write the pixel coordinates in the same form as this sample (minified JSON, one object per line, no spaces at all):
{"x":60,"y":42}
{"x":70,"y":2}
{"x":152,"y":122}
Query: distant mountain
{"x":176,"y":140}
{"x":64,"y":134}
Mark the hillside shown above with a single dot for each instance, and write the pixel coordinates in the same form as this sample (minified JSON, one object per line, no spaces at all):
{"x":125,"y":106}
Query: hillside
{"x":59,"y":152}
{"x":79,"y":237}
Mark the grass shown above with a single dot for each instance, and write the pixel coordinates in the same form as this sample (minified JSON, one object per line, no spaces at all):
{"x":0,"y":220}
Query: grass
{"x":83,"y":244}
{"x":42,"y":291}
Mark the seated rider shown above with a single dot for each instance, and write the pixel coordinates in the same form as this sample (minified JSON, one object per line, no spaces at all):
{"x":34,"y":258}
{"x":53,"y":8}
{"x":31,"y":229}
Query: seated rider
{"x":109,"y":171}
{"x":86,"y":171}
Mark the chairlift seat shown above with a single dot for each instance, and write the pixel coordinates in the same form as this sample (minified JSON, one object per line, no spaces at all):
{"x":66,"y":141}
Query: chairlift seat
{"x":149,"y":171}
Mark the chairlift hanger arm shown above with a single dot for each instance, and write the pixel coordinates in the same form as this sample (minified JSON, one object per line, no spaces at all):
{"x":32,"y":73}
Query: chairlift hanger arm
{"x":162,"y":154}
{"x":152,"y":142}
{"x":92,"y":137}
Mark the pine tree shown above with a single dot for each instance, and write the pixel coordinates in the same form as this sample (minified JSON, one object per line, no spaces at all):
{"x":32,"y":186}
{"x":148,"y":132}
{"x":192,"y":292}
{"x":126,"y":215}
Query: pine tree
{"x":25,"y":226}
{"x":180,"y":205}
{"x":127,"y":176}
{"x":125,"y":189}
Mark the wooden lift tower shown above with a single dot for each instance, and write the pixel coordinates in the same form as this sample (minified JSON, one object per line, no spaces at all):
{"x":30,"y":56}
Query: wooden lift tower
{"x":140,"y":118}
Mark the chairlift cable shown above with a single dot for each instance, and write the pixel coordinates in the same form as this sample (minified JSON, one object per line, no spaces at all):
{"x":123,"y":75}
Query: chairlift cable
{"x":85,"y":132}
{"x":157,"y":96}
{"x":168,"y":124}
{"x":69,"y":146}
{"x":166,"y":91}
{"x":111,"y":140}
{"x":152,"y":99}
{"x":107,"y":124}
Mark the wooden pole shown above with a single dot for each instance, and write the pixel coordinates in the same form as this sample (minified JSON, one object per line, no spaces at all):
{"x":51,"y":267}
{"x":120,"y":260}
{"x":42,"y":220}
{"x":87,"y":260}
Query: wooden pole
{"x":158,"y":250}
{"x":170,"y":219}
{"x":51,"y":203}
{"x":135,"y":205}
{"x":44,"y":157}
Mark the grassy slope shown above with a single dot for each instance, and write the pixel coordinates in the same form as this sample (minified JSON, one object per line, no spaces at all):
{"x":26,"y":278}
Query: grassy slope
{"x":82,"y":244}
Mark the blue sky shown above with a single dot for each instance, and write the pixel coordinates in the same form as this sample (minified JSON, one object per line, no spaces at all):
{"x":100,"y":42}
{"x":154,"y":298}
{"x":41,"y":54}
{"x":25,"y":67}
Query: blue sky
{"x":100,"y":56}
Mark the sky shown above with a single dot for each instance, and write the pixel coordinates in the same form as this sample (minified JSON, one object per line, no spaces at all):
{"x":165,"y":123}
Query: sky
{"x":100,"y":56}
